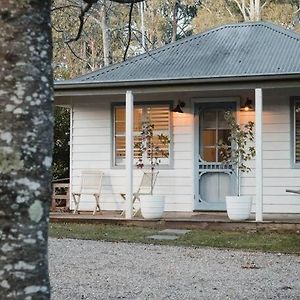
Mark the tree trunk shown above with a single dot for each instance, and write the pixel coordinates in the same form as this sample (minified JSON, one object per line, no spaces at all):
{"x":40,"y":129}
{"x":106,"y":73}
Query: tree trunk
{"x":252,"y":10}
{"x":257,"y":9}
{"x":174,"y":22}
{"x":243,"y":11}
{"x":106,"y":36}
{"x":25,"y":147}
{"x":143,"y":31}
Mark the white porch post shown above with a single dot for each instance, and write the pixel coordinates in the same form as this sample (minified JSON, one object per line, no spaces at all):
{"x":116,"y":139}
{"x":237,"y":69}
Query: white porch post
{"x":259,"y":156}
{"x":129,"y":154}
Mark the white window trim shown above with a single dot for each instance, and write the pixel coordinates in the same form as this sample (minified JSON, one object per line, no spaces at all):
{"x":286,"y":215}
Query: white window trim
{"x":294,"y":164}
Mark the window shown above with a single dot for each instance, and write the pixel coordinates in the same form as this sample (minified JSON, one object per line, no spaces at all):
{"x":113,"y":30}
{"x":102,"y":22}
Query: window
{"x":296,"y":131}
{"x":214,"y":130}
{"x":157,"y":114}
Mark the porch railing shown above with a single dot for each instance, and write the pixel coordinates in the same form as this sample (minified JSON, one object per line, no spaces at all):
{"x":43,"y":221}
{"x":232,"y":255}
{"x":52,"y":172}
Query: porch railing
{"x":60,"y":195}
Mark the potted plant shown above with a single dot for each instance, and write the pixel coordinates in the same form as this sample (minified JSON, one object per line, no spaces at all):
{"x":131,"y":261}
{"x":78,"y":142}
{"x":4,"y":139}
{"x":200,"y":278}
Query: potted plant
{"x":236,"y":152}
{"x":151,"y":148}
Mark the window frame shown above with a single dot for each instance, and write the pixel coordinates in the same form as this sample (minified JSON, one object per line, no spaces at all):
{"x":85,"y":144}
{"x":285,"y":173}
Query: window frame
{"x":142,"y":104}
{"x":293,"y":100}
{"x":216,"y":107}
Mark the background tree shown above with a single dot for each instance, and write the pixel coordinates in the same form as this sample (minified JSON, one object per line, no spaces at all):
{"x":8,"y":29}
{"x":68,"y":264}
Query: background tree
{"x":284,"y":13}
{"x":168,"y":21}
{"x":213,"y":13}
{"x":86,"y":54}
{"x":102,"y":41}
{"x":250,"y":9}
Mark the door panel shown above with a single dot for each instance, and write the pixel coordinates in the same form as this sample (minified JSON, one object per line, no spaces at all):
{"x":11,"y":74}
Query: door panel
{"x":213,"y":188}
{"x":215,"y":179}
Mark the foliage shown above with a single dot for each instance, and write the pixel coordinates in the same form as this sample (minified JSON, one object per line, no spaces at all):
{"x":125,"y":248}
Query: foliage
{"x":214,"y":13}
{"x":61,"y":152}
{"x":282,"y":13}
{"x":236,"y":150}
{"x":151,"y":147}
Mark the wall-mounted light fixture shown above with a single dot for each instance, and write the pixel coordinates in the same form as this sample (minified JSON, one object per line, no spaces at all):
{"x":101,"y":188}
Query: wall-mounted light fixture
{"x":178,"y":108}
{"x":248,"y":105}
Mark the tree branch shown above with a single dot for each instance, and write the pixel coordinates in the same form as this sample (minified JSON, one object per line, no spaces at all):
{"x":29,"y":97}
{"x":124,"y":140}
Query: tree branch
{"x":56,"y":29}
{"x":129,"y":30}
{"x":84,"y":10}
{"x":87,"y":7}
{"x":65,"y":6}
{"x":146,"y":50}
{"x":76,"y":55}
{"x":265,"y":4}
{"x":242,"y":9}
{"x":126,"y":1}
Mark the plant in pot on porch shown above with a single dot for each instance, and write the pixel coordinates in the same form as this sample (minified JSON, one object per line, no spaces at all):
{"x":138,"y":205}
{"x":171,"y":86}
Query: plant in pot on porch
{"x":151,"y":150}
{"x":236,"y":152}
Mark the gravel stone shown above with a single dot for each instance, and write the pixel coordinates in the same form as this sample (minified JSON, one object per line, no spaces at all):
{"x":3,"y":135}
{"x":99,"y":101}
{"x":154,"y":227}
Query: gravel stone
{"x":93,"y":270}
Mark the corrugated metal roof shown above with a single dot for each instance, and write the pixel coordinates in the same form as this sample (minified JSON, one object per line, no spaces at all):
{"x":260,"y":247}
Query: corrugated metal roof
{"x":236,"y":50}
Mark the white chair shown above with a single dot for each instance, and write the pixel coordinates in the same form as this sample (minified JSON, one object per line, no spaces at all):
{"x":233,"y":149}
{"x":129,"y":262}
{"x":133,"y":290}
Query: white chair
{"x":145,"y":188}
{"x":91,"y":182}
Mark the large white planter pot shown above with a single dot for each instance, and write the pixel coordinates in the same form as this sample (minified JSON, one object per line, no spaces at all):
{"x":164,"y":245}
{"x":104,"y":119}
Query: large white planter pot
{"x":152,"y":206}
{"x":238,"y":207}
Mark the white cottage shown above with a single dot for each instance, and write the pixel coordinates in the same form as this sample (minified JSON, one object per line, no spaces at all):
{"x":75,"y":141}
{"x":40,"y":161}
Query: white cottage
{"x":209,"y":72}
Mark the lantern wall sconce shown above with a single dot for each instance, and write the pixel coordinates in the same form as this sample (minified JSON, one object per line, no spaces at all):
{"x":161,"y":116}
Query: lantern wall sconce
{"x":248,"y":105}
{"x":178,"y":108}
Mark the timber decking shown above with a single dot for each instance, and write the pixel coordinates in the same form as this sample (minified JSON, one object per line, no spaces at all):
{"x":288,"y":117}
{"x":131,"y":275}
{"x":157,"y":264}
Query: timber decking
{"x":195,"y":220}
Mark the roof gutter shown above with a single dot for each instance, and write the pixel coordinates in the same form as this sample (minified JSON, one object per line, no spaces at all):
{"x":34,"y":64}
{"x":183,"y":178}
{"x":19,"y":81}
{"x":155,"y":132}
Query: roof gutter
{"x":170,"y":82}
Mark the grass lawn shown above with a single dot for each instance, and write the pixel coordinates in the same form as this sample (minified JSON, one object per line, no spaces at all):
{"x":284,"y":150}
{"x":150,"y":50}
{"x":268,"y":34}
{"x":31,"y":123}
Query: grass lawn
{"x":272,"y":242}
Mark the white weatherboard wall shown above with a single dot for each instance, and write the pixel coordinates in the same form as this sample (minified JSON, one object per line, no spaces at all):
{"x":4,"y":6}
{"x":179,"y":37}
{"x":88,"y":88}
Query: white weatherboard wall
{"x":92,"y":149}
{"x":278,"y":175}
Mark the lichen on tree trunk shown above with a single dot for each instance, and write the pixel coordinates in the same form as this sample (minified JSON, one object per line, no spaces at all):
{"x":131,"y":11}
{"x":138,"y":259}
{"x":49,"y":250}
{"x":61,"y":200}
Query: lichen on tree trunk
{"x":26,"y":92}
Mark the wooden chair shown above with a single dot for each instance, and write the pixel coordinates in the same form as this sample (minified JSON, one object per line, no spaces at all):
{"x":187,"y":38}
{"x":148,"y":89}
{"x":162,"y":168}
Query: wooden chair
{"x":91,"y":182}
{"x":145,"y":188}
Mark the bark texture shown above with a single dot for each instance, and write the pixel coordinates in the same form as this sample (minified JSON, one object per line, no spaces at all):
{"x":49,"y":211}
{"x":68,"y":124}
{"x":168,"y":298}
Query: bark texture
{"x":25,"y":147}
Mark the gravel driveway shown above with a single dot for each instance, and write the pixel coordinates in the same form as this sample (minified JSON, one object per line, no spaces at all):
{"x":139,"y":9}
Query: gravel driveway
{"x":101,"y":270}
